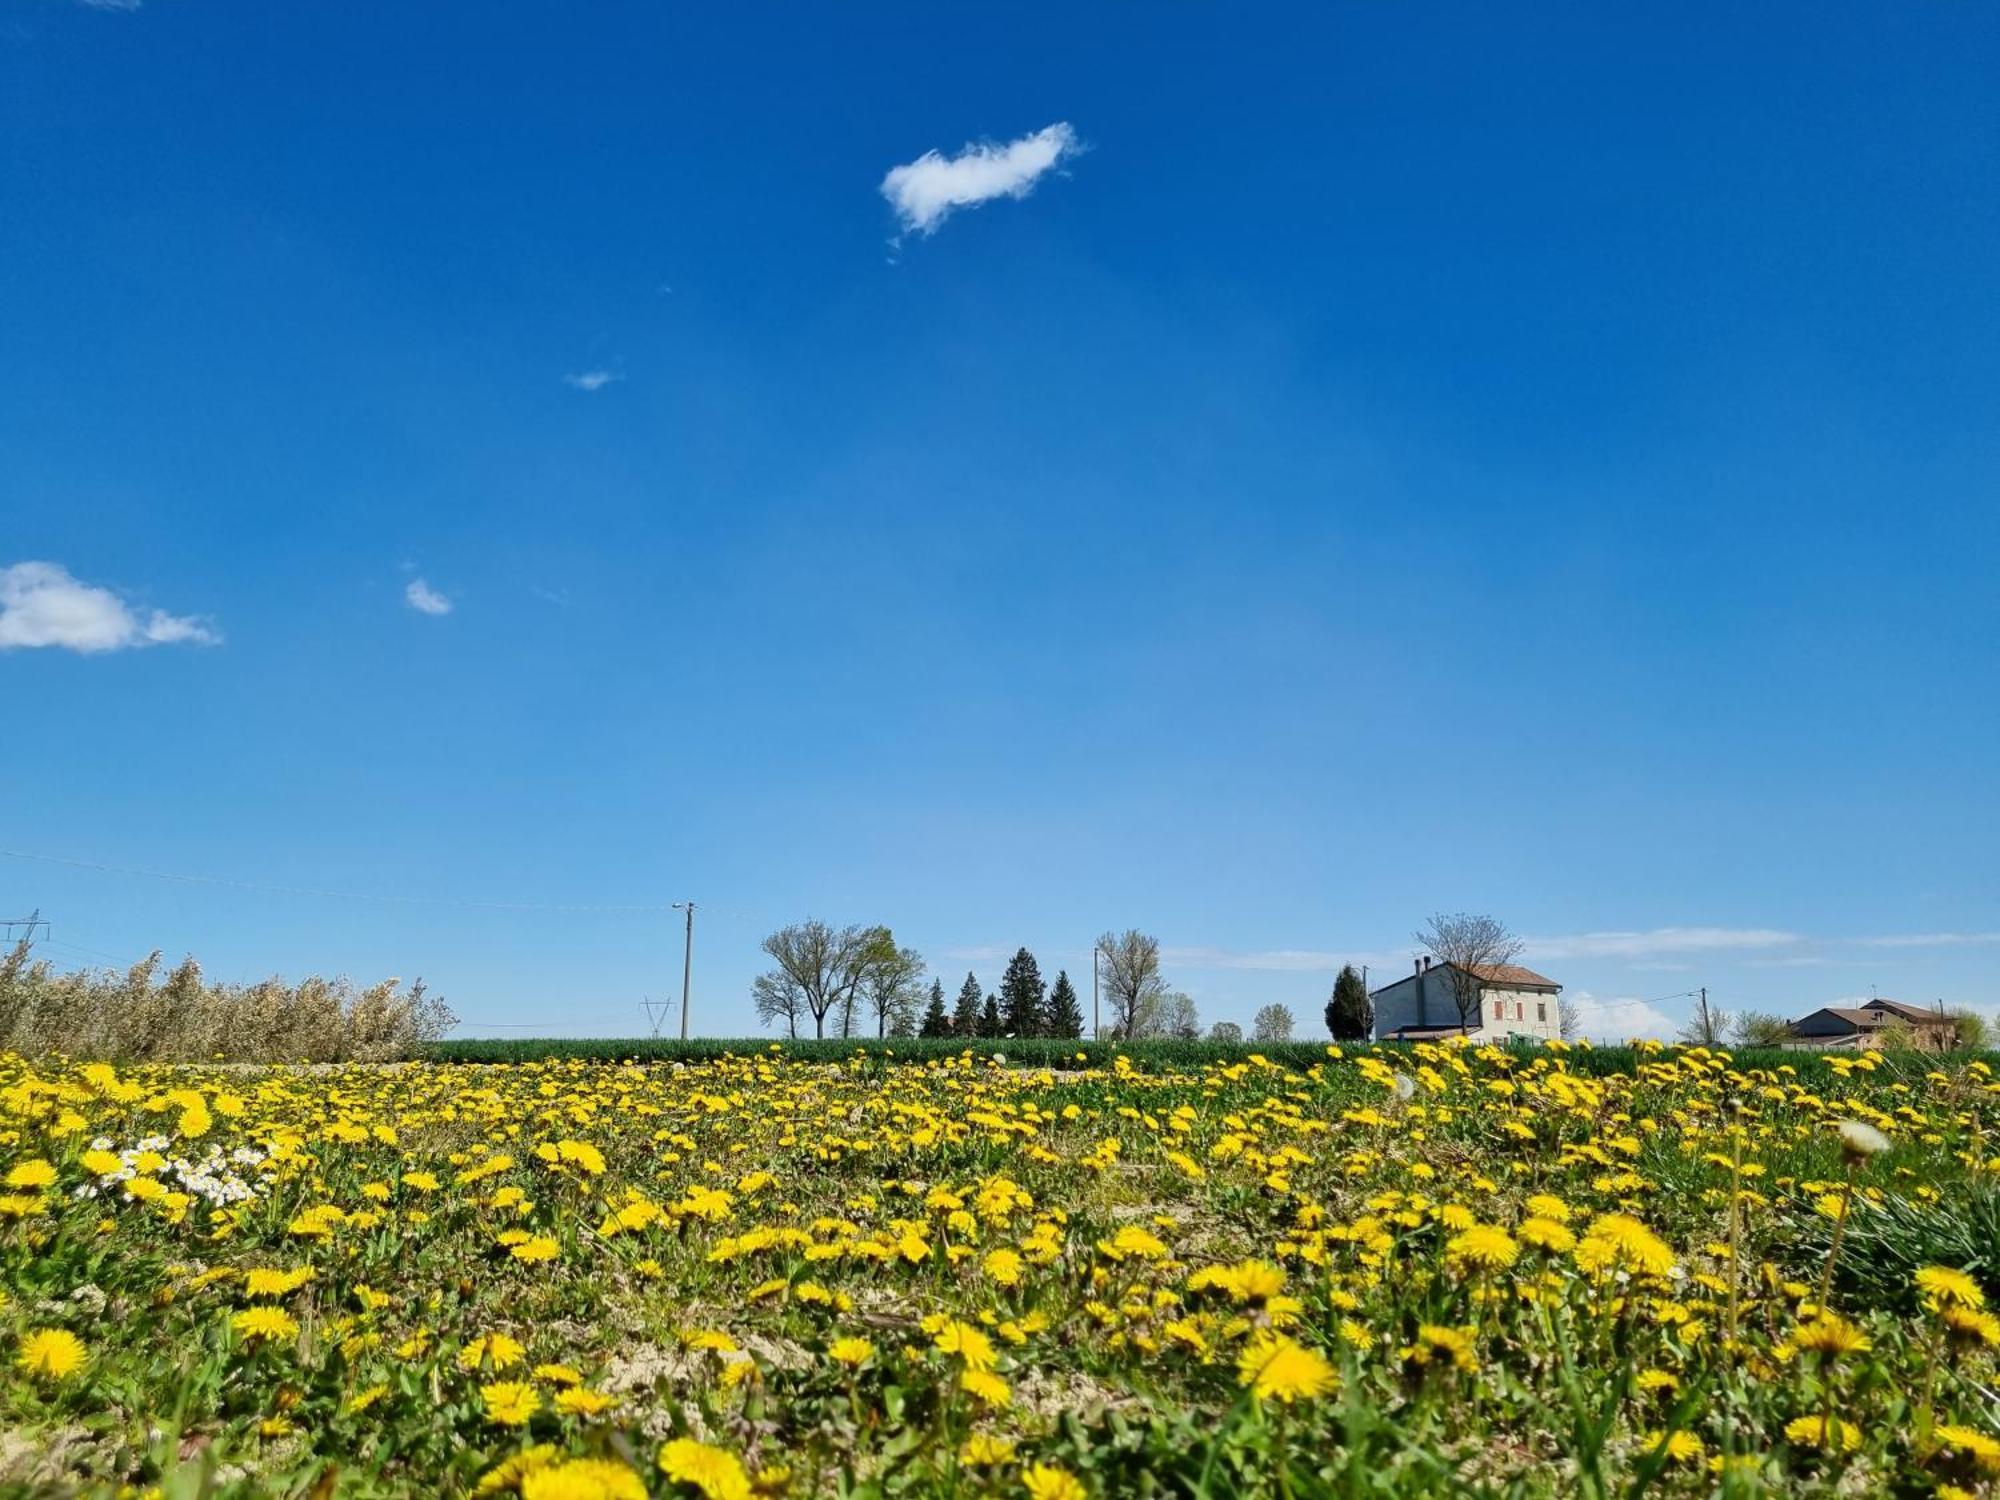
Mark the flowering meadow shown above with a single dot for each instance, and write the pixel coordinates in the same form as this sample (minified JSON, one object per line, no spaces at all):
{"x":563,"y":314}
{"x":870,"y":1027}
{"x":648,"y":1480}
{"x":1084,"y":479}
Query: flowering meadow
{"x":1447,"y":1270}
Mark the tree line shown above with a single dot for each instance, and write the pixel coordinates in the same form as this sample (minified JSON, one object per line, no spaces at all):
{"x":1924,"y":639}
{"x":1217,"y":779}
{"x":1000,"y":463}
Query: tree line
{"x":857,"y":980}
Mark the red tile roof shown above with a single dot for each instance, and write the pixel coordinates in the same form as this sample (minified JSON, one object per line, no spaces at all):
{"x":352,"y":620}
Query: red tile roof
{"x":1511,"y":976}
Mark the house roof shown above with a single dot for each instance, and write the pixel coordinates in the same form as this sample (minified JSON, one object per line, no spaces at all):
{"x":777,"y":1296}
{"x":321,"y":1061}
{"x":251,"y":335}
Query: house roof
{"x":1497,"y":976}
{"x":1876,"y":1015}
{"x":1511,"y":974}
{"x":1909,"y":1012}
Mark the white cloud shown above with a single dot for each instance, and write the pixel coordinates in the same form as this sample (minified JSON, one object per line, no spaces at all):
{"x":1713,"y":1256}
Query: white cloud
{"x":925,"y":192}
{"x":42,"y":605}
{"x":592,"y":380}
{"x":1931,"y":940}
{"x":1656,"y":941}
{"x":426,"y":600}
{"x":1619,"y":1020}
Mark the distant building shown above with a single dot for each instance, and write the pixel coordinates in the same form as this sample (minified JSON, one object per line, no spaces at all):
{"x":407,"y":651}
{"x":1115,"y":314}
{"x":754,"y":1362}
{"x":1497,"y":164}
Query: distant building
{"x":1513,"y":1001}
{"x":1867,"y":1026}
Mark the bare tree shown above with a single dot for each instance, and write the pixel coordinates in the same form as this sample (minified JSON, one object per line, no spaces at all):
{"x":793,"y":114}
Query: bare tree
{"x":1468,"y":947}
{"x":818,"y":970}
{"x":1707,"y":1027}
{"x":779,"y":997}
{"x":893,"y":986}
{"x":1273,"y":1023}
{"x":1174,"y":1016}
{"x":1131,"y":980}
{"x":1569,"y":1019}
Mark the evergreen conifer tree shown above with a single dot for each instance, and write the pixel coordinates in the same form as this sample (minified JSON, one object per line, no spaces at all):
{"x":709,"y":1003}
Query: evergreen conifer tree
{"x":1350,"y":1014}
{"x":1022,"y":996}
{"x":965,"y":1015}
{"x":990,"y":1023}
{"x":937,"y":1022}
{"x":1065,"y":1013}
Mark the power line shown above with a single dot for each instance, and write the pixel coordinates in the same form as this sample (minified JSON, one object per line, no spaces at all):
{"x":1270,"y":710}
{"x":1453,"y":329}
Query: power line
{"x":297,"y":890}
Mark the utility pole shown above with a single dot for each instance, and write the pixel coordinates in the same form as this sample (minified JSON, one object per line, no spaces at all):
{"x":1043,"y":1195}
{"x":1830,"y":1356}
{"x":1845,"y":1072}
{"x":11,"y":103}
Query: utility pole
{"x":1096,"y":1026}
{"x":29,"y":923}
{"x":687,"y":962}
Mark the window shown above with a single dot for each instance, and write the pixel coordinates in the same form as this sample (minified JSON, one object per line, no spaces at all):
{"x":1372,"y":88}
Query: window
{"x":1520,"y":1010}
{"x":1499,"y":1010}
{"x":1541,"y":1010}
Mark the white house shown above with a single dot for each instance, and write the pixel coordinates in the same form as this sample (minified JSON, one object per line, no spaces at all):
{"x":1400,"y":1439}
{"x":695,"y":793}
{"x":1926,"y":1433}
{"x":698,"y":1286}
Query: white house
{"x":1513,"y":1001}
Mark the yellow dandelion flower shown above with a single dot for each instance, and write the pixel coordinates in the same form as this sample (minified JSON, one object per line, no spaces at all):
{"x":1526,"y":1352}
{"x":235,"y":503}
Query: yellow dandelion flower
{"x":579,"y":1401}
{"x":1817,"y":1432}
{"x":51,"y":1354}
{"x":34,"y":1173}
{"x":1941,"y":1286}
{"x":1620,"y":1239}
{"x":1831,"y":1335}
{"x":1681,"y":1447}
{"x":264,"y":1322}
{"x":1483,"y":1247}
{"x":1548,"y":1206}
{"x":496,"y":1351}
{"x":1046,"y":1482}
{"x":1969,"y":1442}
{"x":583,"y":1479}
{"x":717,"y":1473}
{"x":264,"y":1281}
{"x":1972,"y":1327}
{"x":850,"y":1351}
{"x":983,"y":1450}
{"x":967,"y":1342}
{"x":985,"y":1386}
{"x":1281,"y":1369}
{"x":1546,"y":1234}
{"x":1003,"y":1267}
{"x":510,"y":1402}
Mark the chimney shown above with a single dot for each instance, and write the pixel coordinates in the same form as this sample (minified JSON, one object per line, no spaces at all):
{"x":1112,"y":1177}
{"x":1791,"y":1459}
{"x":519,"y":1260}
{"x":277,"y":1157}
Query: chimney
{"x":1422,"y":1019}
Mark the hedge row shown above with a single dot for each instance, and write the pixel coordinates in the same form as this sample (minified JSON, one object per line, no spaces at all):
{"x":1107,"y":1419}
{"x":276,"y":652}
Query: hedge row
{"x":1042,"y":1052}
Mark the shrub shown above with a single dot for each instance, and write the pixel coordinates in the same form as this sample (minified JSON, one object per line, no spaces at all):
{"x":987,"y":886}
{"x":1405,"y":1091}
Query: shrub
{"x":142,"y":1016}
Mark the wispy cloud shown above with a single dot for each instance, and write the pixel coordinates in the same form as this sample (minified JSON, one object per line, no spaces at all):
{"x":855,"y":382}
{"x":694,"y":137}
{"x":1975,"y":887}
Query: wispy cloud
{"x":1272,"y":960}
{"x":1931,"y":940}
{"x":1657,"y":941}
{"x":591,"y":380}
{"x":42,"y":605}
{"x":927,"y":191}
{"x":977,"y":953}
{"x":110,"y":4}
{"x":426,"y":600}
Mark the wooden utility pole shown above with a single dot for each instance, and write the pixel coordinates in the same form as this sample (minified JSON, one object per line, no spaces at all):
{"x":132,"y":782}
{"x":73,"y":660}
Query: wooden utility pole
{"x":687,"y":962}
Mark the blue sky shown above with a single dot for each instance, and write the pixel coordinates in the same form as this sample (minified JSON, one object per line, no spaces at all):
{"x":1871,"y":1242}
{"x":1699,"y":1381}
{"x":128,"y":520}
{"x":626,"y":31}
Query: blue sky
{"x":1356,"y":461}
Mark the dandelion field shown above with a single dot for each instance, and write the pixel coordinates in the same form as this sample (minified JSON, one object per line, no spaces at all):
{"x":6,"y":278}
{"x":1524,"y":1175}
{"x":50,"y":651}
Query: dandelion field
{"x":1437,"y":1271}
